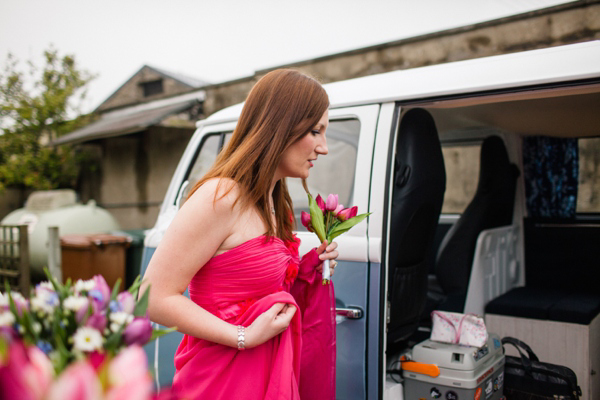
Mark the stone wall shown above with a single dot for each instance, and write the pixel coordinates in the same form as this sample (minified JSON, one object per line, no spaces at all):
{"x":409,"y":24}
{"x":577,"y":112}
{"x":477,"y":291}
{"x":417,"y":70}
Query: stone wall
{"x":568,"y":23}
{"x":136,"y":171}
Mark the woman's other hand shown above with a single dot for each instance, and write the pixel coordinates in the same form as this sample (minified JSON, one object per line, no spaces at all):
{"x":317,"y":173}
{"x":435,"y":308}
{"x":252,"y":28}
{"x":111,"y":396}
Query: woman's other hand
{"x":327,"y":252}
{"x":269,"y":324}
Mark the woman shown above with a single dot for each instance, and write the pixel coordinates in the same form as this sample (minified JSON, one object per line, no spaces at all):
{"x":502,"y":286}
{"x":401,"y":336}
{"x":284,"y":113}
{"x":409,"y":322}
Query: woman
{"x":232,"y":243}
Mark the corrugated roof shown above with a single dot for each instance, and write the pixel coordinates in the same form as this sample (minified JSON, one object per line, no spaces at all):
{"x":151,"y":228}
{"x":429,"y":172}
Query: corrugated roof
{"x":124,"y":121}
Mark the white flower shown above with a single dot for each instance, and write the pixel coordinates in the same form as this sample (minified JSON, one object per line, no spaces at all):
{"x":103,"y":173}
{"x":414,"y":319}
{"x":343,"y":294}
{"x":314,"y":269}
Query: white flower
{"x":44,"y":286}
{"x":86,"y":286}
{"x":119,"y":319}
{"x":87,"y":339}
{"x":45,"y":302}
{"x":75,"y":303}
{"x":7,"y":319}
{"x":3,"y":301}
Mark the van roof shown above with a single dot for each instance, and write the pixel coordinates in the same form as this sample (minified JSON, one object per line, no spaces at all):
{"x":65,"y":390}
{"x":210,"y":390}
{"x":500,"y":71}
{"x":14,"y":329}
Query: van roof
{"x":535,"y":67}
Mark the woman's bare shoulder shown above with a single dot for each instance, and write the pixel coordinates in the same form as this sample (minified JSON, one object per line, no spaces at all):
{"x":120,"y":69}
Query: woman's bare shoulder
{"x":222,"y":193}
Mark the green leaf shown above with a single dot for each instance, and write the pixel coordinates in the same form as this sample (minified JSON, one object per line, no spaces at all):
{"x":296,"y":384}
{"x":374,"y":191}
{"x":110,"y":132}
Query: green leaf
{"x":346,"y":226}
{"x":316,"y":218}
{"x":115,"y":291}
{"x":156,"y":333}
{"x":142,"y":304}
{"x":135,"y":286}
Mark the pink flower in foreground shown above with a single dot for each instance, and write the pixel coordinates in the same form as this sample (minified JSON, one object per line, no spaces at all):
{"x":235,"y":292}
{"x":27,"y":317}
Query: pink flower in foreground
{"x":77,"y":382}
{"x":138,"y":331}
{"x":25,"y":372}
{"x":332,"y":202}
{"x":347,"y":213}
{"x":320,"y":202}
{"x":128,"y":375}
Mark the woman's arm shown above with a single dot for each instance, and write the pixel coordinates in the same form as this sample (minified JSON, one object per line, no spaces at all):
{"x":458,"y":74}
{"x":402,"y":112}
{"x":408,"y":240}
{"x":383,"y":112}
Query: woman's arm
{"x":196,"y":233}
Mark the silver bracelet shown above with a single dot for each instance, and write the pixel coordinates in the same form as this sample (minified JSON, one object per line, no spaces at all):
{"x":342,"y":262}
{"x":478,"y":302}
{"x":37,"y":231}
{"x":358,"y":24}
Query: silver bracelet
{"x":241,"y":337}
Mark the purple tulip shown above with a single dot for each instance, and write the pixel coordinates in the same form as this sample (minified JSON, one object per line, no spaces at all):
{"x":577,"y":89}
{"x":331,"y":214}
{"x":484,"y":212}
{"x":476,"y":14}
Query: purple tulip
{"x":101,"y":292}
{"x":97,"y":321}
{"x":332,"y":202}
{"x":138,"y":331}
{"x":320,"y":202}
{"x":347,"y":213}
{"x":126,"y":302}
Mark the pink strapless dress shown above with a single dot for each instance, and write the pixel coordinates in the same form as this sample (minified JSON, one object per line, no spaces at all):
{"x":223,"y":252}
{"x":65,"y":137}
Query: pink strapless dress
{"x":239,"y":285}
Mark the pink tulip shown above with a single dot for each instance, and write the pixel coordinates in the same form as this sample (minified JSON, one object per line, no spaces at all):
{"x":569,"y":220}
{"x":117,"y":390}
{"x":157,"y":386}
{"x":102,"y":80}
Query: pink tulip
{"x":77,"y":382}
{"x":332,"y":202}
{"x":126,"y":301}
{"x":14,"y":369}
{"x":339,"y":208}
{"x":101,"y":292}
{"x":320,"y":202}
{"x":40,"y":371}
{"x":128,"y":375}
{"x":138,"y":331}
{"x":305,"y":218}
{"x":347,"y":213}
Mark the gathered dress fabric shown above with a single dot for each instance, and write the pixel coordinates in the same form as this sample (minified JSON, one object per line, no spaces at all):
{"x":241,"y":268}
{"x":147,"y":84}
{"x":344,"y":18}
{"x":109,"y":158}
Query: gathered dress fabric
{"x":239,"y":285}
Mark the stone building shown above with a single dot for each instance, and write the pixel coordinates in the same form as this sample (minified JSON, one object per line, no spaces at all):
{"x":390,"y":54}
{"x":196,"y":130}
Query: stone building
{"x":141,"y":132}
{"x":140,"y":152}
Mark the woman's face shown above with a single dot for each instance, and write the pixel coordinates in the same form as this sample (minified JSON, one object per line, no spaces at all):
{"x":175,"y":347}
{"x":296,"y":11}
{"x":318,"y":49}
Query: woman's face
{"x":298,"y":159}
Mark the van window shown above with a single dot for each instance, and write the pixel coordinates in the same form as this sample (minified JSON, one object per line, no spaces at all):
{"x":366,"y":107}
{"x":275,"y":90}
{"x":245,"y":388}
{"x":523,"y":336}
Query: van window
{"x":209,"y":149}
{"x":462,"y":174}
{"x":588,"y":196}
{"x":333,"y":173}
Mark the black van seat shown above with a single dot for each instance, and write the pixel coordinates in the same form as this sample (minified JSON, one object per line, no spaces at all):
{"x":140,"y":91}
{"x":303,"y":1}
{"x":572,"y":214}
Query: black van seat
{"x":547,"y":304}
{"x":419,"y":186}
{"x":491,"y":207}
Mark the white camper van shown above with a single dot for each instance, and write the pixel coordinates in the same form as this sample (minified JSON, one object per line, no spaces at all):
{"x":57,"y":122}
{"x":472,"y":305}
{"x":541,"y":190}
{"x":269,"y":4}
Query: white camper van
{"x":483,"y":180}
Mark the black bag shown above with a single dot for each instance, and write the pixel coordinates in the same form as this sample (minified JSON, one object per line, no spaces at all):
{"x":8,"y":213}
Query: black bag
{"x":526,"y":377}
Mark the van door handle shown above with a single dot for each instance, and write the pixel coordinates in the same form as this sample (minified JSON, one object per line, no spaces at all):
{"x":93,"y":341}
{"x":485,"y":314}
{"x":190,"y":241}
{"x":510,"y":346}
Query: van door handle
{"x":350,"y":313}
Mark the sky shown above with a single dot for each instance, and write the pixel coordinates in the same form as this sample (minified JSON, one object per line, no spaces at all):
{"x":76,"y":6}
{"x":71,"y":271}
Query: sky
{"x":221,"y":40}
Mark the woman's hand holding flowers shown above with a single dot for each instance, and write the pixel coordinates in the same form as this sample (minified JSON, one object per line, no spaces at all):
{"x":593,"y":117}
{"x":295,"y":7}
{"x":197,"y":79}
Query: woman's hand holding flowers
{"x":327,"y":251}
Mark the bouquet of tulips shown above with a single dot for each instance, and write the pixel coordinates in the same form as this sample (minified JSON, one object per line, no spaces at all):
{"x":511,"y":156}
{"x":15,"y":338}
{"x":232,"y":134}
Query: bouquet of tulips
{"x":74,"y":321}
{"x":329,"y":219}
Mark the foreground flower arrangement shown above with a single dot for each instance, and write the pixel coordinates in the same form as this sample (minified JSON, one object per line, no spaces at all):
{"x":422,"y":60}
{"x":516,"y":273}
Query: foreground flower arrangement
{"x":78,"y":340}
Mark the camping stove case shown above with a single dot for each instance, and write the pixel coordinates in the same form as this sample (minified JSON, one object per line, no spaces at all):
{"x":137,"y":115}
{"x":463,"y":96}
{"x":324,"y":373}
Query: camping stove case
{"x":465,"y":372}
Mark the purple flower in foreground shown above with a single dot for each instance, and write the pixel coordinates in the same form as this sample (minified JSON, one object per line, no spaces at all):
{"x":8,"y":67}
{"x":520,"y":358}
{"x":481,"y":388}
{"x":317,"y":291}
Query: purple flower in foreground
{"x":139,"y":331}
{"x":126,"y":302}
{"x":101,"y":292}
{"x":97,"y":321}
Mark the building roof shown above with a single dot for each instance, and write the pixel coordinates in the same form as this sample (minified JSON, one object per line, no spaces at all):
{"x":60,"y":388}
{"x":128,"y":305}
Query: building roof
{"x":186,"y":80}
{"x":131,"y":119}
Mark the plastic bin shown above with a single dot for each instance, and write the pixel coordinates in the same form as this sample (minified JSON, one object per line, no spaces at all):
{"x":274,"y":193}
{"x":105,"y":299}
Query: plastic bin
{"x":84,"y":256}
{"x":133,"y":254}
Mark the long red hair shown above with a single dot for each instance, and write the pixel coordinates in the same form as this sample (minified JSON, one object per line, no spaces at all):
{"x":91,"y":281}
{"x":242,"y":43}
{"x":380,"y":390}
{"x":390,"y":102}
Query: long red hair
{"x":281,"y":108}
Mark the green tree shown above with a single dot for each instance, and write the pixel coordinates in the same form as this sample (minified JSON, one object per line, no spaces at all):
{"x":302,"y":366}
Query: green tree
{"x":36,"y":107}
